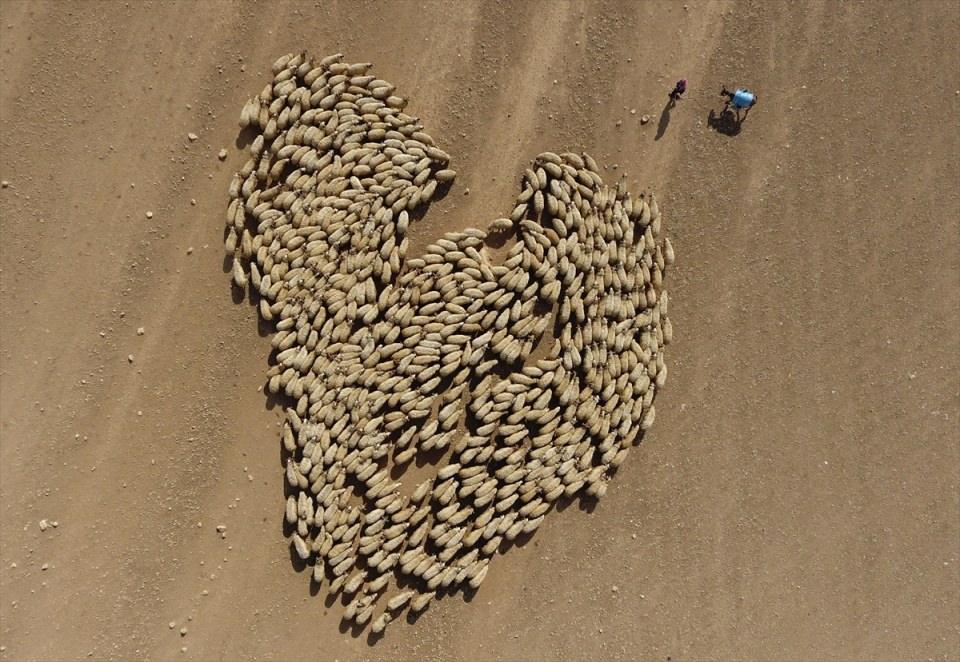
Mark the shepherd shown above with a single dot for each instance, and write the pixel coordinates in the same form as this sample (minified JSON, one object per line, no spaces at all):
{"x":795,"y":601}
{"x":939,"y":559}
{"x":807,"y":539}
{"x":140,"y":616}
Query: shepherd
{"x":678,"y":89}
{"x":741,"y":98}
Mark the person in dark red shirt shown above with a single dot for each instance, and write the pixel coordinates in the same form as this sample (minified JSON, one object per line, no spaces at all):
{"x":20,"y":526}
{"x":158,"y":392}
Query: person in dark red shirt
{"x":679,"y":89}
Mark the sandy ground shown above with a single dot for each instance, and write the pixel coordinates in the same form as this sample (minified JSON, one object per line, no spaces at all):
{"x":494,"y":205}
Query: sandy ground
{"x":798,"y":495}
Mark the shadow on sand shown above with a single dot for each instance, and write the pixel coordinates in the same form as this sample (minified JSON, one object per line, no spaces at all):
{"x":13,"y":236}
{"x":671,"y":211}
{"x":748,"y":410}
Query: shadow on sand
{"x":726,"y":121}
{"x":664,"y":118}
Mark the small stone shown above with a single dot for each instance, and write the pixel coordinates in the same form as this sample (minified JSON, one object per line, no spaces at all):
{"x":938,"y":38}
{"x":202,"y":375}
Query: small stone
{"x":45,"y":566}
{"x":192,"y":136}
{"x":183,"y":632}
{"x":221,"y":528}
{"x":466,"y":191}
{"x":644,"y":119}
{"x":222,"y":154}
{"x":4,"y":183}
{"x":44,"y":524}
{"x":615,"y":589}
{"x":183,"y":649}
{"x":130,"y":358}
{"x":149,"y":214}
{"x":619,"y":122}
{"x":633,"y":111}
{"x":140,"y":331}
{"x":193,"y":202}
{"x":190,"y":250}
{"x":172,"y":625}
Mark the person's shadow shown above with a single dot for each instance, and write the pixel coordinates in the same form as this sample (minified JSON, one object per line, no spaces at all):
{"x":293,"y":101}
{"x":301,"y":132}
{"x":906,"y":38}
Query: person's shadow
{"x":726,"y":122}
{"x":665,"y":118}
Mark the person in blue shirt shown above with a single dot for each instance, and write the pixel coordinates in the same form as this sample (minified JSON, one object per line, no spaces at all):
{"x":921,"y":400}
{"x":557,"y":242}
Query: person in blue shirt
{"x":741,"y":98}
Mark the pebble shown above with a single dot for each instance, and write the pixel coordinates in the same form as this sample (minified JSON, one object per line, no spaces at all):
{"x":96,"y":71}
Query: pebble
{"x":192,"y":136}
{"x":172,"y":625}
{"x":190,"y":250}
{"x":140,"y":331}
{"x":44,"y":524}
{"x":644,"y":119}
{"x":149,"y":214}
{"x":222,"y":154}
{"x":45,"y":566}
{"x":130,"y":358}
{"x":4,"y":183}
{"x":183,"y":632}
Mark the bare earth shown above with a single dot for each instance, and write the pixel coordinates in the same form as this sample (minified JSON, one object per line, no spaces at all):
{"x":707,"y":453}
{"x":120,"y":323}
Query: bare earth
{"x":798,"y":495}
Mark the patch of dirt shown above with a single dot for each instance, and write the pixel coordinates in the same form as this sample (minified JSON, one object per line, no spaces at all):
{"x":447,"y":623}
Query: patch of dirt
{"x":798,"y":495}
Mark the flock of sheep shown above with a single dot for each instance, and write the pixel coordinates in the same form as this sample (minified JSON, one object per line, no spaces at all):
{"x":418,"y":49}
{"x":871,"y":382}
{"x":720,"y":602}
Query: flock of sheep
{"x":529,"y":377}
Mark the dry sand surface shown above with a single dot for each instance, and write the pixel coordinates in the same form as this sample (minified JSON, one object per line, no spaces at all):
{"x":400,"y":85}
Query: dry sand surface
{"x":797,"y":497}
